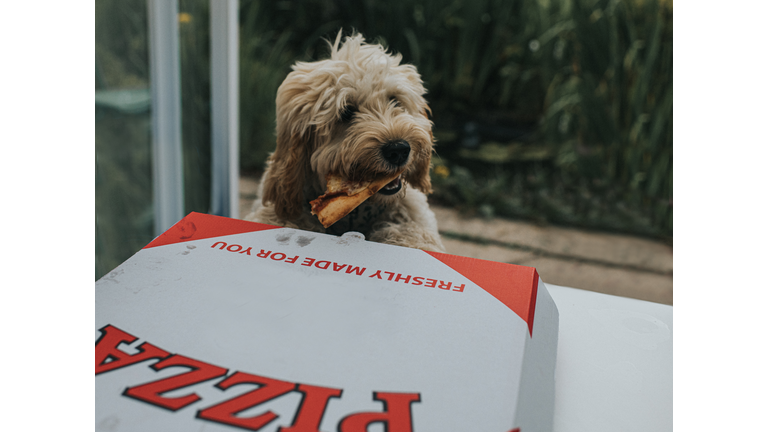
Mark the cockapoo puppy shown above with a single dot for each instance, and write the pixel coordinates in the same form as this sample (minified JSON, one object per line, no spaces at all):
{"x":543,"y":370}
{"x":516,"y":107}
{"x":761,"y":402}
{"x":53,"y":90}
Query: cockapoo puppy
{"x":359,"y":115}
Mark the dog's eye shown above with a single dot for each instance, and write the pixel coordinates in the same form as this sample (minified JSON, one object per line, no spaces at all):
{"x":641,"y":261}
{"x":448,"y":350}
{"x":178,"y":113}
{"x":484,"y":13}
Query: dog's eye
{"x":393,"y":100}
{"x":347,"y":114}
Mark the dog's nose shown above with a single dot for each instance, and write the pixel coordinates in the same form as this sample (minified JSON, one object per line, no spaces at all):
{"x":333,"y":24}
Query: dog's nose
{"x":396,"y":152}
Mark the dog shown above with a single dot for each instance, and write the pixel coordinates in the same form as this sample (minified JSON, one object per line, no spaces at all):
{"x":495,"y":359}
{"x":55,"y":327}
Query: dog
{"x":361,"y":115}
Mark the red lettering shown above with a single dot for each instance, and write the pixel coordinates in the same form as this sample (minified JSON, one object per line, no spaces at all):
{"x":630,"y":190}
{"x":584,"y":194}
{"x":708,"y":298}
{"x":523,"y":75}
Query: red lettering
{"x":459,"y":288}
{"x":239,"y":248}
{"x":444,"y":285}
{"x":278,"y":256}
{"x":223,"y":245}
{"x":108,"y":357}
{"x":396,"y":416}
{"x":247,"y":251}
{"x":400,"y":277}
{"x":431,"y":283}
{"x":377,"y":274}
{"x":357,"y":270}
{"x":390,"y":275}
{"x":292,"y":260}
{"x":337,"y":267}
{"x":311,"y":409}
{"x":263,"y":254}
{"x":151,"y":391}
{"x":326,"y":264}
{"x":226,"y":411}
{"x":308,"y":262}
{"x":417,"y":280}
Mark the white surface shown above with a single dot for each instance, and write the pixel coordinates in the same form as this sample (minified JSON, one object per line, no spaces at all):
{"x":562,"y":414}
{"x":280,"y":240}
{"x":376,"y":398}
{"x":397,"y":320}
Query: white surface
{"x":614,"y":363}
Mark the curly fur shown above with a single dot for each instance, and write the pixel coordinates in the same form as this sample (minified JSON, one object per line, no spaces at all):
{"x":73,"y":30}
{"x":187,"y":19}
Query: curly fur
{"x":384,"y":102}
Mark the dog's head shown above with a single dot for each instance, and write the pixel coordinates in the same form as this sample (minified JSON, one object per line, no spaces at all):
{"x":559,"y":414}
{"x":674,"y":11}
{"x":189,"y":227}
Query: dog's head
{"x":360,"y":114}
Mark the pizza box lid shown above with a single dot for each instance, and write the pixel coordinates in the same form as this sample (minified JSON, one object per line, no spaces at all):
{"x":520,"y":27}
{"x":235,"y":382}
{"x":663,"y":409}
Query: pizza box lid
{"x":224,"y":324}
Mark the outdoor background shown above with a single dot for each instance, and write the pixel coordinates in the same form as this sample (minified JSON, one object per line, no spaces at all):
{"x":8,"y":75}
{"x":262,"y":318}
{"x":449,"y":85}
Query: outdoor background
{"x":553,"y":111}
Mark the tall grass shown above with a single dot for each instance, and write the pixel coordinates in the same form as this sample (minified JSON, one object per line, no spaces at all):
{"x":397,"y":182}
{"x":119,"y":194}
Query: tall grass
{"x":609,"y":101}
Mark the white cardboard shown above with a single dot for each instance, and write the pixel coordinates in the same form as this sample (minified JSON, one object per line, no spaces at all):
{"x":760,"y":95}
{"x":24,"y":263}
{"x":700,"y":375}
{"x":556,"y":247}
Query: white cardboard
{"x":314,"y":311}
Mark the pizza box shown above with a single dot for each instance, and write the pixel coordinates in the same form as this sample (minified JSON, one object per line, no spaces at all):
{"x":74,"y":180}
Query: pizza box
{"x":222,"y":325}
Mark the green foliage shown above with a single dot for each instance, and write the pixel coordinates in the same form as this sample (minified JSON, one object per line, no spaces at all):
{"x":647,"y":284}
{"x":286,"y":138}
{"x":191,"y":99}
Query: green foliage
{"x":609,"y":102}
{"x":539,"y":193}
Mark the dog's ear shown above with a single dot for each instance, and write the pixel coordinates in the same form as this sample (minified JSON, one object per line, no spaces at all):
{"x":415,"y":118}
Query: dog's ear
{"x":419,"y":176}
{"x":287,"y":172}
{"x":288,"y":168}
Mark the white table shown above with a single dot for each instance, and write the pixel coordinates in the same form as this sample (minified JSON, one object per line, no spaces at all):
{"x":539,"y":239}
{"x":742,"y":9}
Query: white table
{"x":614,"y":363}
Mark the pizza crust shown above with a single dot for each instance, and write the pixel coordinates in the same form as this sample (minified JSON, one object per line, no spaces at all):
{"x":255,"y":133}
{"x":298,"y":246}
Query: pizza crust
{"x":342,"y":196}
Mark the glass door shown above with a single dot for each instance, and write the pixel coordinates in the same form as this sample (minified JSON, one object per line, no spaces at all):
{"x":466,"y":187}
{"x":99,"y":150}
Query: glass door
{"x":166,"y":118}
{"x":124,"y":206}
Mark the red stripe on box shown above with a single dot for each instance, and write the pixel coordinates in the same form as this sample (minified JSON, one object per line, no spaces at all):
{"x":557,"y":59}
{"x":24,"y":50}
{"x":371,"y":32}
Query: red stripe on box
{"x":198,"y":226}
{"x":515,"y":286}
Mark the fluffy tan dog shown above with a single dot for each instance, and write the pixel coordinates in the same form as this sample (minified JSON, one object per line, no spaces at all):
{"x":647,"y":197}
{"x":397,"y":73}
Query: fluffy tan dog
{"x":358,"y":117}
